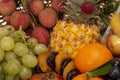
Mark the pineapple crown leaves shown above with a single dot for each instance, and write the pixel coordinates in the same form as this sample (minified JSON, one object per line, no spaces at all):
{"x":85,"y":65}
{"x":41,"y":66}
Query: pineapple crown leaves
{"x":104,"y":7}
{"x":74,"y":13}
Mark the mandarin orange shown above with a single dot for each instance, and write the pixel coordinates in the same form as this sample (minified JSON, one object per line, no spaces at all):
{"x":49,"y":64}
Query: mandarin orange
{"x":91,"y":56}
{"x":84,"y":77}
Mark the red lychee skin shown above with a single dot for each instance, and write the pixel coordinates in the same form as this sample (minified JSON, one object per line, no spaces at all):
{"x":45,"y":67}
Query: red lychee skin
{"x":18,"y":18}
{"x":48,"y":17}
{"x":87,"y":7}
{"x":57,"y":5}
{"x":7,"y":19}
{"x":36,"y":6}
{"x":29,"y":32}
{"x":38,"y":76}
{"x":60,"y":78}
{"x":42,"y":35}
{"x":7,"y":7}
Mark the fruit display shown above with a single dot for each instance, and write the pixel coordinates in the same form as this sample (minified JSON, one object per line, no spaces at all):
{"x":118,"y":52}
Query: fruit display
{"x":17,"y":54}
{"x":59,"y":40}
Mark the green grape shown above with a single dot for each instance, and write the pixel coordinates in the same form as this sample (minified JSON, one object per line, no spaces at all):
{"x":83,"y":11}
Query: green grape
{"x":19,"y":36}
{"x":40,"y":48}
{"x":25,"y":73}
{"x":7,"y":43}
{"x":19,"y":58}
{"x":11,"y":77}
{"x":10,"y":55}
{"x":16,"y":37}
{"x":13,"y":67}
{"x":2,"y":54}
{"x":31,"y":51}
{"x":10,"y":29}
{"x":21,"y":49}
{"x":29,"y":60}
{"x":4,"y":66}
{"x":3,"y":32}
{"x":32,"y":42}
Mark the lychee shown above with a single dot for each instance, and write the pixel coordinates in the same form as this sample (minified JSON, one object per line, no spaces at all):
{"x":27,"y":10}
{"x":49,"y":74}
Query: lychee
{"x":7,"y":7}
{"x":19,"y":19}
{"x":42,"y":35}
{"x":7,"y":19}
{"x":36,"y":6}
{"x":48,"y":17}
{"x":29,"y":31}
{"x":58,"y":5}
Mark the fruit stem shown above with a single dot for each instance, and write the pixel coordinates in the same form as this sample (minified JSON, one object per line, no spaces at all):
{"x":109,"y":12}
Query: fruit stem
{"x":27,"y":11}
{"x":23,"y":37}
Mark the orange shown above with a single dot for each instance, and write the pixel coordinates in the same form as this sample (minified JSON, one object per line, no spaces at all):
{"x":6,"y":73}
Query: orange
{"x":91,"y":56}
{"x":84,"y":77}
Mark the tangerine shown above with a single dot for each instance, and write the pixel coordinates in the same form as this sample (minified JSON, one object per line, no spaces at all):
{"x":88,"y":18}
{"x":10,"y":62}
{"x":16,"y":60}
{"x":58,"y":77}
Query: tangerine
{"x":91,"y":56}
{"x":84,"y":77}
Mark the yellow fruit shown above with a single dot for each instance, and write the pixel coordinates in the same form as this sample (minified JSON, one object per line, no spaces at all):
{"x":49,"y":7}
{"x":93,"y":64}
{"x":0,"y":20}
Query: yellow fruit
{"x":42,"y":62}
{"x":68,"y":37}
{"x":70,"y":66}
{"x":113,"y":44}
{"x":115,"y":23}
{"x":58,"y":60}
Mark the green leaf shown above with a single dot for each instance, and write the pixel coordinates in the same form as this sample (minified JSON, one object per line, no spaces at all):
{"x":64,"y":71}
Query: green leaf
{"x":102,"y":70}
{"x":104,"y":18}
{"x":110,"y":8}
{"x":104,"y":1}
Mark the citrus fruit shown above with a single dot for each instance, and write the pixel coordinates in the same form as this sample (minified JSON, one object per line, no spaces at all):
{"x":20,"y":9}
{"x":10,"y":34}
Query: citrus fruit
{"x":91,"y":56}
{"x":84,"y":77}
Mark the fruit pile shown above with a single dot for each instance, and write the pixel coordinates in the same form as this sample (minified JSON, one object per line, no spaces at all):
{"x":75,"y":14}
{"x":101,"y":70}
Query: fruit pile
{"x":59,"y":40}
{"x":18,"y":53}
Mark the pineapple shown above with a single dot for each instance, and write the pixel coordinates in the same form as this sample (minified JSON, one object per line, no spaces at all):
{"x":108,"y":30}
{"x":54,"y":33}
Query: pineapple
{"x":68,"y":37}
{"x":77,"y":29}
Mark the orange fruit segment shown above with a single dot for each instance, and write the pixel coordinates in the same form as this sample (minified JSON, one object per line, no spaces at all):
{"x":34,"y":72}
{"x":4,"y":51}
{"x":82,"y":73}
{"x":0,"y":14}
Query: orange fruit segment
{"x":84,"y":77}
{"x":92,"y":56}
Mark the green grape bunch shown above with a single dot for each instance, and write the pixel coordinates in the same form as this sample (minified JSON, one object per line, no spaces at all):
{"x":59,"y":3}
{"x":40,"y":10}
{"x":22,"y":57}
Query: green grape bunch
{"x":18,"y":54}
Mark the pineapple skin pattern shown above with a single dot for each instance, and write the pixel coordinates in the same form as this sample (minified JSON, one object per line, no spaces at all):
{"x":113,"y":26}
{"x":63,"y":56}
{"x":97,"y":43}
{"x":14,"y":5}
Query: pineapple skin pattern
{"x":68,"y":37}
